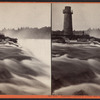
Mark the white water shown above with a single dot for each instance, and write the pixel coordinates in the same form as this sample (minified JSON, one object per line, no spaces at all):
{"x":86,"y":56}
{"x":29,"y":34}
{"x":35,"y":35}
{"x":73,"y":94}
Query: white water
{"x":23,"y":79}
{"x":82,"y":56}
{"x":41,"y":48}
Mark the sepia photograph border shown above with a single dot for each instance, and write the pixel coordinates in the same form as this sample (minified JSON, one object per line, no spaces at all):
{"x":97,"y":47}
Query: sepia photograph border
{"x":48,"y":96}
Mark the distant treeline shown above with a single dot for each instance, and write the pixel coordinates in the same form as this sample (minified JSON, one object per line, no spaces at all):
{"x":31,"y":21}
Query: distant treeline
{"x":28,"y":33}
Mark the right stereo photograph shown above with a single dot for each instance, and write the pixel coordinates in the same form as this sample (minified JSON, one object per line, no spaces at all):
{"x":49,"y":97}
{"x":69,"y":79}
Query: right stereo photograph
{"x":76,"y":49}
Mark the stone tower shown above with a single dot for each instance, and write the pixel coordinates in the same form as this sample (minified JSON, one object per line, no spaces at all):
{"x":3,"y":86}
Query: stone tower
{"x":68,"y":21}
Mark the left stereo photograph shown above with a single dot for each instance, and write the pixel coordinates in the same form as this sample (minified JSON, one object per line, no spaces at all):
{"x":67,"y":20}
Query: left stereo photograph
{"x":25,"y":49}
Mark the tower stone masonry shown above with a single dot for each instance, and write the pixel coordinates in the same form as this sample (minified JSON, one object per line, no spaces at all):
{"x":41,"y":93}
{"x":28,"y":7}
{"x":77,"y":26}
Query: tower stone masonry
{"x":68,"y":21}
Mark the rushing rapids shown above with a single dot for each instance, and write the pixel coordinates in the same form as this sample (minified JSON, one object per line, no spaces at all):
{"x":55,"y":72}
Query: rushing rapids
{"x":75,"y":69}
{"x":22,"y":72}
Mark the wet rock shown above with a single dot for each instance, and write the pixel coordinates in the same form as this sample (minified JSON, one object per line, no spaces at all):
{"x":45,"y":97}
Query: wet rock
{"x":81,"y":92}
{"x":1,"y":93}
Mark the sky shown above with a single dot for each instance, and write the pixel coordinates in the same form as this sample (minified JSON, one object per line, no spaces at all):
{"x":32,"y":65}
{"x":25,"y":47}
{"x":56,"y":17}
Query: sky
{"x":16,"y":15}
{"x":85,"y":15}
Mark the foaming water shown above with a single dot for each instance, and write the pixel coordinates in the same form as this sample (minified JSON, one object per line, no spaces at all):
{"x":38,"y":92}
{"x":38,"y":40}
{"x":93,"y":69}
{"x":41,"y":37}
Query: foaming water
{"x":21,"y":73}
{"x":76,"y":69}
{"x":89,"y":88}
{"x":41,"y":48}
